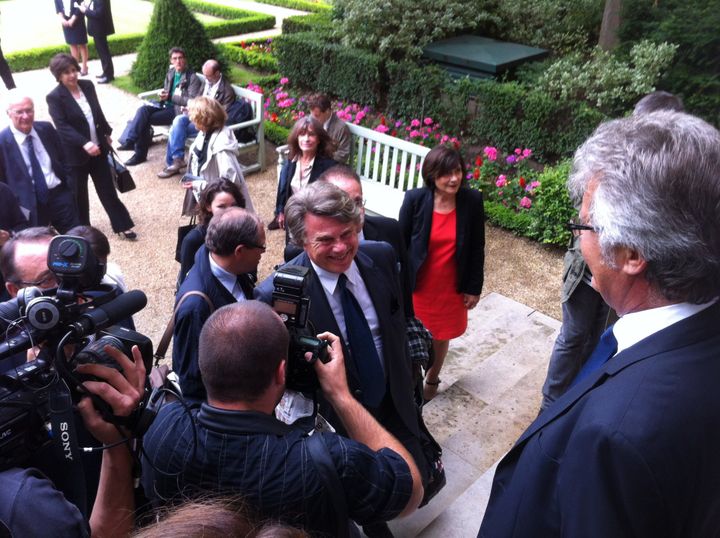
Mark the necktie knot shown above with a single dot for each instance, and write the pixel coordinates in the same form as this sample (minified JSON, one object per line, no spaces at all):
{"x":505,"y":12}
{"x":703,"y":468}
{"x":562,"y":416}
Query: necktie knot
{"x":605,"y":349}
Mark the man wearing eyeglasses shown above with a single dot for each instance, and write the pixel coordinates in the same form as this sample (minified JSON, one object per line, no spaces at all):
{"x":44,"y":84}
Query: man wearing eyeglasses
{"x":223,"y":272}
{"x":631,"y":449}
{"x":32,"y":165}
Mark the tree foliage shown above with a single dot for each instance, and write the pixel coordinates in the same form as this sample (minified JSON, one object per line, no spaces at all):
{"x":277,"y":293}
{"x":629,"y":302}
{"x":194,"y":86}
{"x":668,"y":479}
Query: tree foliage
{"x":399,"y":29}
{"x":172,"y":25}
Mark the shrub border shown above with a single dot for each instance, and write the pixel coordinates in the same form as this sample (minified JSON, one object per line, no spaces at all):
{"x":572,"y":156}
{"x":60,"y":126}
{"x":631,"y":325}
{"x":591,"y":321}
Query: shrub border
{"x":300,"y":5}
{"x":239,"y":21}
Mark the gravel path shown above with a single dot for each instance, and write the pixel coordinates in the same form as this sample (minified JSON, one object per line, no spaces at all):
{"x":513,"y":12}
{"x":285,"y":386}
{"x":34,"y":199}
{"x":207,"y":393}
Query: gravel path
{"x":515,"y":267}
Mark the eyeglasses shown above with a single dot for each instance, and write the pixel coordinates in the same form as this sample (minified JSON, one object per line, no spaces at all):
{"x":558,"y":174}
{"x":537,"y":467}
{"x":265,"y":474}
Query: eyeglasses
{"x":261,"y":247}
{"x":46,"y":281}
{"x":576,"y":228}
{"x":21,"y":111}
{"x":360,"y":201}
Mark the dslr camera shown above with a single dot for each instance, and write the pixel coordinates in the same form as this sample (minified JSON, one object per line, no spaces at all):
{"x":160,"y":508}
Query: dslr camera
{"x":73,"y":323}
{"x":293,"y":307}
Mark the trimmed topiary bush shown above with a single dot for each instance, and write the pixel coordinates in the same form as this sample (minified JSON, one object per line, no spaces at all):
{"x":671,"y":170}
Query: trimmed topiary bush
{"x":302,"y":5}
{"x":171,"y":25}
{"x":318,"y":22}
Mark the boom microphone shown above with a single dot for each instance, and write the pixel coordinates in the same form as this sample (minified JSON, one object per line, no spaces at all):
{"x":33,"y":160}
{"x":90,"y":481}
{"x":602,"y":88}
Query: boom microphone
{"x":101,"y":317}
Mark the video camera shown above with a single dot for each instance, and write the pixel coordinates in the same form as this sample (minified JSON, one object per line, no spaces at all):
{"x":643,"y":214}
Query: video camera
{"x":293,"y":306}
{"x":36,"y":398}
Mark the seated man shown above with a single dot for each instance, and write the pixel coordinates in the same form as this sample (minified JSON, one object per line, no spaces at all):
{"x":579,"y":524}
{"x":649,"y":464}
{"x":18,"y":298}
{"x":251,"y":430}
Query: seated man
{"x":321,"y":110}
{"x":234,"y":445}
{"x":180,"y":86}
{"x":220,"y":89}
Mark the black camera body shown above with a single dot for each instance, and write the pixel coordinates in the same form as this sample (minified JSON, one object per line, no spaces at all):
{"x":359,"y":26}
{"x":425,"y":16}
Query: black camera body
{"x":293,"y":307}
{"x":80,"y":312}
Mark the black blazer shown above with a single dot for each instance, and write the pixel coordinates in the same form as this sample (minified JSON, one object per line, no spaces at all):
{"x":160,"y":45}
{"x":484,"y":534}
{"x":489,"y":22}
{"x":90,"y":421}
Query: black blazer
{"x":288,"y":171}
{"x":99,"y":19}
{"x":416,"y":222}
{"x":376,"y":262}
{"x":71,"y":124}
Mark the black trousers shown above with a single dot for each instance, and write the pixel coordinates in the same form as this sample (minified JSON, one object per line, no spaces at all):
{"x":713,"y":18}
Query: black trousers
{"x":5,"y":72}
{"x":60,"y":211}
{"x":103,"y":50}
{"x":145,"y":116}
{"x":99,"y":170}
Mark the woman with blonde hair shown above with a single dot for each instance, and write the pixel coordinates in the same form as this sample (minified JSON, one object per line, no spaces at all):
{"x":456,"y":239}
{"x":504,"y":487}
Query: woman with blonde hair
{"x":213,"y":154}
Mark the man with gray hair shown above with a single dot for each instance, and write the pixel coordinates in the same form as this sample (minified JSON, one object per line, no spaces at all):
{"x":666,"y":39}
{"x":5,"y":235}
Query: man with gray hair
{"x":631,"y":448}
{"x":354,"y":292}
{"x":222,"y":274}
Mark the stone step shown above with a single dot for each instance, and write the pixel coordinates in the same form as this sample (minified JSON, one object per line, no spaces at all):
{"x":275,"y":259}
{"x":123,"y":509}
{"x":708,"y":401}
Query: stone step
{"x":490,"y":392}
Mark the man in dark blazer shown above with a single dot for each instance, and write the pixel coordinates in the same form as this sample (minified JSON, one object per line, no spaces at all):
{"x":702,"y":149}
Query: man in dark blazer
{"x":234,"y":243}
{"x":49,"y":202}
{"x":219,"y":88}
{"x":100,"y":26}
{"x":181,"y":84}
{"x":325,"y":220}
{"x":631,"y":449}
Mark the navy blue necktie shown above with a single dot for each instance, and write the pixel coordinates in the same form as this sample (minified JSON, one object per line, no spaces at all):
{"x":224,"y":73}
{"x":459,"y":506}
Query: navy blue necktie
{"x":41,"y":191}
{"x":362,"y":347}
{"x":606,"y":348}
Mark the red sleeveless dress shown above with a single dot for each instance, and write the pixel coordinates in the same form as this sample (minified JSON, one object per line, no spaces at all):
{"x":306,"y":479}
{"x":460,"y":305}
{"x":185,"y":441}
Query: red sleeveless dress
{"x":436,"y":299}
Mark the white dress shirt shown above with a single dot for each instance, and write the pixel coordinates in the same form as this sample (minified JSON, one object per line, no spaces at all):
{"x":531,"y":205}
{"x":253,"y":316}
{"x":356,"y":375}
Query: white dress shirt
{"x":357,"y":287}
{"x":631,"y":328}
{"x":40,"y":152}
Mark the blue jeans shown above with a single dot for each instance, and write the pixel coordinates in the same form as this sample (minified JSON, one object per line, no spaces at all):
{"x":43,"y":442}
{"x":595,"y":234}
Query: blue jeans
{"x":182,"y":129}
{"x":584,"y":317}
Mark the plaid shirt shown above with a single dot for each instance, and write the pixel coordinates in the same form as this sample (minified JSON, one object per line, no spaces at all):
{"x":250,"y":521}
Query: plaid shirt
{"x":268,"y":463}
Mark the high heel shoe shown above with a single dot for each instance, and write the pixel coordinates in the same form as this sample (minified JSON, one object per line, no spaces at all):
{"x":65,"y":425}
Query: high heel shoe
{"x":129,"y":235}
{"x":84,"y":73}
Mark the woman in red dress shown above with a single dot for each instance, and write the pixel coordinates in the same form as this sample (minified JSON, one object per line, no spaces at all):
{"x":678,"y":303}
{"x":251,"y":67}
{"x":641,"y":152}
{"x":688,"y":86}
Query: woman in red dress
{"x":443,"y":225}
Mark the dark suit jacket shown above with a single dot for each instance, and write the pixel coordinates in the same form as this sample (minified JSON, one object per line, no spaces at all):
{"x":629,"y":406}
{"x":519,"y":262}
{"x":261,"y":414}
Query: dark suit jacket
{"x":11,"y":218}
{"x":71,"y":124}
{"x":190,"y":86}
{"x":416,"y":223}
{"x":99,"y":19}
{"x":631,"y":450}
{"x":377,"y":265}
{"x":190,"y":319}
{"x":288,"y":171}
{"x":14,"y":172}
{"x":224,"y":93}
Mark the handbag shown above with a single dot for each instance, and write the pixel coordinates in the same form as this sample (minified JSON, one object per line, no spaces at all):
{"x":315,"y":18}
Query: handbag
{"x":120,"y":174}
{"x":182,"y":231}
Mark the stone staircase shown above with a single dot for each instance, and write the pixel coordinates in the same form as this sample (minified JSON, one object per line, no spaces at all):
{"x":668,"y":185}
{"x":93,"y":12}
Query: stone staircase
{"x":490,"y":393}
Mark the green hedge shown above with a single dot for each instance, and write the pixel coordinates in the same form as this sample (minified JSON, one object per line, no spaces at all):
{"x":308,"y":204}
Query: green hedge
{"x":501,"y":216}
{"x":307,"y":23}
{"x":256,"y":60}
{"x":38,"y":58}
{"x":328,"y":67}
{"x":276,"y":134}
{"x":552,"y":208}
{"x":301,"y":5}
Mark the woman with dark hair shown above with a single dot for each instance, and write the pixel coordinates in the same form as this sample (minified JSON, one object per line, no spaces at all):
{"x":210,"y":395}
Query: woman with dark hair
{"x":74,"y":30}
{"x":213,"y":154}
{"x":310,"y":151}
{"x":85,"y":134}
{"x":218,"y":194}
{"x":443,"y":224}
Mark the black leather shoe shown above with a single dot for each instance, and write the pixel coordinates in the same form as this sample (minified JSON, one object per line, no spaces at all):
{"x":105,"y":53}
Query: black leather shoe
{"x":129,"y":235}
{"x":135,"y":159}
{"x":104,"y":80}
{"x":127,"y":146}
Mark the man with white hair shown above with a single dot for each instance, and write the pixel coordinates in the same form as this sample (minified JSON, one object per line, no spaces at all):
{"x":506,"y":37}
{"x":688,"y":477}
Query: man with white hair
{"x":631,"y":448}
{"x":33,"y":166}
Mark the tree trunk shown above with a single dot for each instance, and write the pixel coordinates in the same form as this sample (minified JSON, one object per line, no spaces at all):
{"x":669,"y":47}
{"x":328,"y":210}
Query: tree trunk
{"x":610,"y":25}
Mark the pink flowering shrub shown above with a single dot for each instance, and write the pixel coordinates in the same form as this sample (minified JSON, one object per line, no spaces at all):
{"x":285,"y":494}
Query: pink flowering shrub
{"x":509,"y":181}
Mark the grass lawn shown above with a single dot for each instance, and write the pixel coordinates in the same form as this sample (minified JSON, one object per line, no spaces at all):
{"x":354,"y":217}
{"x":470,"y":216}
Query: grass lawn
{"x":25,"y":24}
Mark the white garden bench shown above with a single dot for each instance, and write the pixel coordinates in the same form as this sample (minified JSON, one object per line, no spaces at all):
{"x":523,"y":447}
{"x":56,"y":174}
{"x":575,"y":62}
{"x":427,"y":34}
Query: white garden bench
{"x":387,"y":166}
{"x":255,"y":99}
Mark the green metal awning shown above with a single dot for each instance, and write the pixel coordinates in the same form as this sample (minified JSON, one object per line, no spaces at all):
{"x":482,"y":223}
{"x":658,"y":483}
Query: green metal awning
{"x":480,"y":56}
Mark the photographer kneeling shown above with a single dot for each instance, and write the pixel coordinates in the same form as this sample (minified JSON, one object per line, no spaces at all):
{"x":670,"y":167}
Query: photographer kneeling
{"x":29,"y":503}
{"x":233,"y":444}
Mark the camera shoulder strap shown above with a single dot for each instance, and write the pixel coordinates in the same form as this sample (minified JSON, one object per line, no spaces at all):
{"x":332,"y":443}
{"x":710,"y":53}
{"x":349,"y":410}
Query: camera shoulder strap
{"x":64,"y":432}
{"x":167,"y":335}
{"x":328,"y":474}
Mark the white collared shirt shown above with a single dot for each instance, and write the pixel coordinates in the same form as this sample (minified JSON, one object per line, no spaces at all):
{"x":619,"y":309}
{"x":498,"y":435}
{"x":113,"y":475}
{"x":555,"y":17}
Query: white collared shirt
{"x":227,"y":279}
{"x":40,"y":152}
{"x":357,"y":287}
{"x":211,"y":89}
{"x":631,"y":328}
{"x":301,"y":181}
